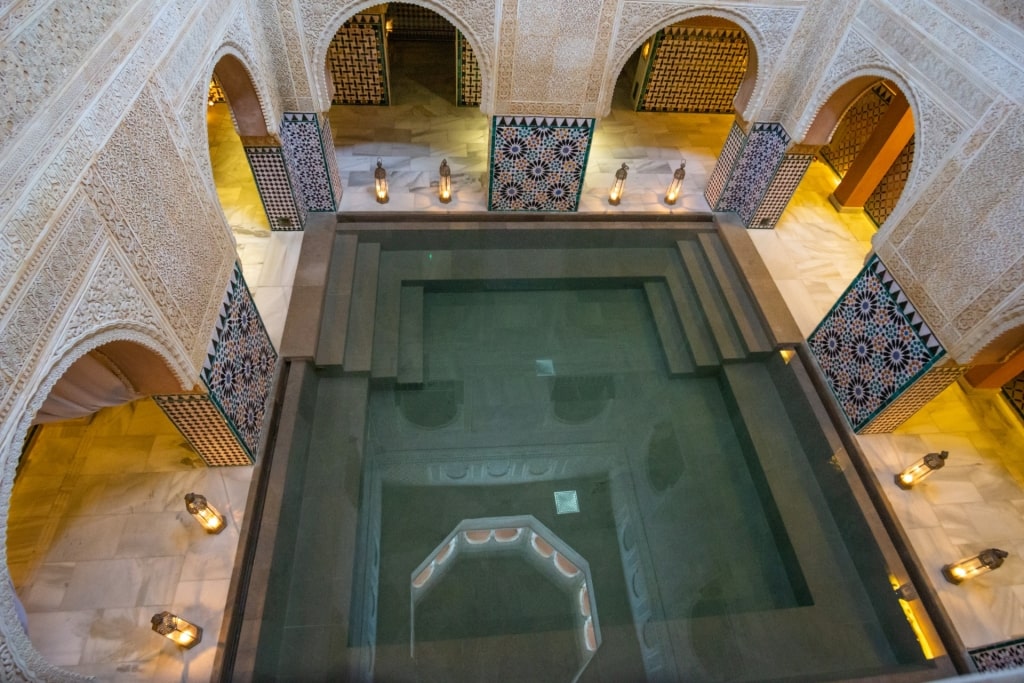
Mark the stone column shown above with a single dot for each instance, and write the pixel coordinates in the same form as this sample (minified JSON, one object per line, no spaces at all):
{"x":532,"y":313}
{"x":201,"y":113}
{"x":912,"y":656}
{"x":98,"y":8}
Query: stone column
{"x":879,"y":357}
{"x":308,"y":146}
{"x":756,"y":173}
{"x":224,"y":418}
{"x":284,"y":204}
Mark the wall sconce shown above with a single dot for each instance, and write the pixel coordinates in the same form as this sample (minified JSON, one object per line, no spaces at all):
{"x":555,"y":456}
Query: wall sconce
{"x":921,"y":469}
{"x":615,"y":194}
{"x":444,"y":188}
{"x":204,"y":513}
{"x":969,"y":567}
{"x":380,"y":183}
{"x":672,"y":193}
{"x":184,"y":633}
{"x":646,"y":51}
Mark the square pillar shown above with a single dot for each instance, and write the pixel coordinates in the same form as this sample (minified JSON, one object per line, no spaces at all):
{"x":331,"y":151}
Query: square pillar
{"x":224,"y":424}
{"x":282,"y":201}
{"x":756,"y":174}
{"x":307,"y":144}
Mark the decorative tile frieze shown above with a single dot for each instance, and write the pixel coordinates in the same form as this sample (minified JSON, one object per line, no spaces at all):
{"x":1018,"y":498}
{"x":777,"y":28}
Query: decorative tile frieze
{"x":467,"y":81}
{"x":781,"y":190}
{"x":537,"y":163}
{"x":890,"y":188}
{"x":201,"y":421}
{"x":753,"y":170}
{"x":999,"y":657}
{"x":356,"y":62}
{"x":724,"y":164}
{"x":873,"y":346}
{"x":309,"y":160}
{"x":240,"y":364}
{"x":284,"y":206}
{"x":695,"y":69}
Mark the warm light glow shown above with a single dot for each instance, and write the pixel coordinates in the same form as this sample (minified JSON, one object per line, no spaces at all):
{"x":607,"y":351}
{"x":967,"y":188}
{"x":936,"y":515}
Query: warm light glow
{"x":615,"y":193}
{"x":971,"y":567}
{"x":205,"y":514}
{"x":646,"y":52}
{"x":380,"y":183}
{"x":676,"y":186}
{"x":444,"y":186}
{"x":176,"y":629}
{"x":921,"y":469}
{"x":787,"y":355}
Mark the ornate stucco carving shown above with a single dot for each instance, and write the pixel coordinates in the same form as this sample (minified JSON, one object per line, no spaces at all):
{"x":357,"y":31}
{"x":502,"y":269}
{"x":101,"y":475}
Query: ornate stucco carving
{"x":475,"y":19}
{"x":152,"y":187}
{"x":769,"y":29}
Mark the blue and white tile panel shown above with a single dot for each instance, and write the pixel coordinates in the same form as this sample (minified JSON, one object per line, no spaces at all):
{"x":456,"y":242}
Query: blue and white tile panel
{"x":873,"y":345}
{"x":752,"y":173}
{"x":240,"y":364}
{"x":537,"y":163}
{"x":285,"y":210}
{"x":308,"y":161}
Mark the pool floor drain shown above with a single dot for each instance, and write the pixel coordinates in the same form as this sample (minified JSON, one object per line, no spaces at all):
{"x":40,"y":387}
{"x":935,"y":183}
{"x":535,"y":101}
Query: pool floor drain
{"x":566,"y":502}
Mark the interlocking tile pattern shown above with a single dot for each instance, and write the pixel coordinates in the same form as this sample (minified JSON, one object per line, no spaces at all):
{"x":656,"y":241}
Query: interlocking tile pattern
{"x":355,"y":61}
{"x":411,"y":22}
{"x":999,"y":657}
{"x":537,"y":163}
{"x":883,"y":200}
{"x":1014,"y":392}
{"x":873,"y":345}
{"x":856,"y":127}
{"x":695,"y":70}
{"x":467,"y":81}
{"x":270,"y":172}
{"x":201,"y":421}
{"x":309,"y":160}
{"x":781,"y":190}
{"x":240,"y":363}
{"x":751,"y":176}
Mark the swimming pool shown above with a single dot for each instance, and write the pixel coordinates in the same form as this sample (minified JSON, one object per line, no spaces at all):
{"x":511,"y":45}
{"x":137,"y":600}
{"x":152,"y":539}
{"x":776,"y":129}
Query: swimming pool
{"x":572,"y":457}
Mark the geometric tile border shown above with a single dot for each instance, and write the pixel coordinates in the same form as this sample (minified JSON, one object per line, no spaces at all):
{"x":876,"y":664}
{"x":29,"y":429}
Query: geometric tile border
{"x":856,"y":126}
{"x":873,"y":346}
{"x":751,"y":174}
{"x":1014,"y":392}
{"x":307,"y":159}
{"x":537,"y":163}
{"x":240,"y":364}
{"x":885,"y":195}
{"x":784,"y":184}
{"x":355,"y":61}
{"x":695,"y":69}
{"x":999,"y":657}
{"x":914,"y":397}
{"x":285,"y":208}
{"x":724,"y":164}
{"x":467,"y":70}
{"x":209,"y":433}
{"x":331,"y":159}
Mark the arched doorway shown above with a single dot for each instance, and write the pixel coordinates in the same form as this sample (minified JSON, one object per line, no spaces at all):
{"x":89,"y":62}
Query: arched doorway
{"x":675,"y":100}
{"x":406,"y":90}
{"x":264,"y":220}
{"x":98,"y":538}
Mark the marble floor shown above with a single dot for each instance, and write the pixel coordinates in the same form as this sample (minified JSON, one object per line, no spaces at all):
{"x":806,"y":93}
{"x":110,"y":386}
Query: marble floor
{"x":66,"y":556}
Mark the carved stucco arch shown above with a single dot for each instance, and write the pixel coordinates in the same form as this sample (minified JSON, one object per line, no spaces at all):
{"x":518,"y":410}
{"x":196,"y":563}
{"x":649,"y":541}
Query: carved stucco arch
{"x":935,"y":130}
{"x":19,"y":660}
{"x":1005,"y":326}
{"x":346,"y":10}
{"x":640,"y":21}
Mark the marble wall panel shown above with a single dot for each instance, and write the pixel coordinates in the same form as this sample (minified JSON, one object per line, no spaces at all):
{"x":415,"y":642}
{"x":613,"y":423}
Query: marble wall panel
{"x":537,"y":163}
